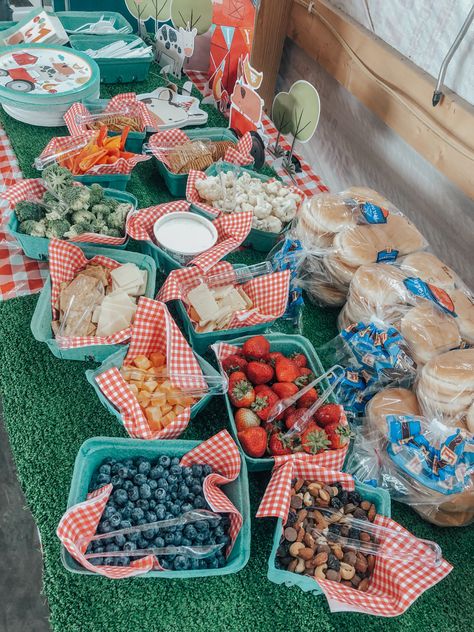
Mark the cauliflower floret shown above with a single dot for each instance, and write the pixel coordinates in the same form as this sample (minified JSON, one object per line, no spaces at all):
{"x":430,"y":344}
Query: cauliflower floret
{"x":271,"y":224}
{"x":247,"y":207}
{"x":263,"y":208}
{"x":272,"y":188}
{"x":33,"y":228}
{"x":285,"y":209}
{"x":209,"y":189}
{"x":57,"y":228}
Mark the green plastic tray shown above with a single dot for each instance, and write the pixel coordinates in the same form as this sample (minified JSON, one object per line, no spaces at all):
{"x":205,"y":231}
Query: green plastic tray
{"x":286,"y":344}
{"x":72,"y":20}
{"x":41,"y":321}
{"x":134,"y":141}
{"x":176,"y":182}
{"x":259,"y":240}
{"x":116,"y":360}
{"x":94,"y":451}
{"x":114,"y":70}
{"x":115,"y":181}
{"x":381,"y":500}
{"x":6,"y":25}
{"x":37,"y":247}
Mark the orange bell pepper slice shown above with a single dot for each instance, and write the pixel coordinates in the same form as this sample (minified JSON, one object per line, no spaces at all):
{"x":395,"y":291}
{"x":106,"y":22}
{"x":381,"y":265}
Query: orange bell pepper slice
{"x":123,"y":136}
{"x":102,"y":135}
{"x":112,"y":143}
{"x":93,"y":159}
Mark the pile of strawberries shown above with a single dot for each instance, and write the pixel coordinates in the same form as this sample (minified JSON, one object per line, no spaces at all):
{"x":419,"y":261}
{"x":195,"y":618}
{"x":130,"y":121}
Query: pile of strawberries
{"x":258,"y":379}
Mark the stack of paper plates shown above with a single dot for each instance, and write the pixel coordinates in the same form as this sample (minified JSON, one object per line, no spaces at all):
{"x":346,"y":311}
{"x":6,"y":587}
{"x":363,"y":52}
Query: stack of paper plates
{"x":38,"y":83}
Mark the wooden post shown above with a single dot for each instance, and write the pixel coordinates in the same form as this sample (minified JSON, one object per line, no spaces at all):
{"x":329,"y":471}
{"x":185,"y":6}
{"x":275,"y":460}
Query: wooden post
{"x":269,"y":37}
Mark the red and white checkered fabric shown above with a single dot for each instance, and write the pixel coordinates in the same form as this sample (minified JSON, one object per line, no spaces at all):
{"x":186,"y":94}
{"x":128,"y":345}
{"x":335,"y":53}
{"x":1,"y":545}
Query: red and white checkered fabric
{"x":122,"y":165}
{"x":238,"y":155}
{"x":268,"y":293}
{"x":33,"y":190}
{"x":65,"y":262}
{"x":125,"y":103}
{"x":193,"y":196}
{"x":79,"y":524}
{"x":153,"y":330}
{"x":9,"y":169}
{"x":330,"y":459}
{"x":231,"y":230}
{"x":394,"y":584}
{"x":222,"y":454}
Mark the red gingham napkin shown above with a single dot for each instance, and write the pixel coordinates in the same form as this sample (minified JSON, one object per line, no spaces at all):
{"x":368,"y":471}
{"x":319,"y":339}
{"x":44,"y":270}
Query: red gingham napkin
{"x":81,"y":520}
{"x":65,"y":261}
{"x":123,"y":165}
{"x":153,"y":330}
{"x":193,"y":196}
{"x":238,"y":155}
{"x":394,"y":584}
{"x":269,"y":293}
{"x":231,"y":230}
{"x":126,"y":103}
{"x":331,"y":459}
{"x":33,"y":189}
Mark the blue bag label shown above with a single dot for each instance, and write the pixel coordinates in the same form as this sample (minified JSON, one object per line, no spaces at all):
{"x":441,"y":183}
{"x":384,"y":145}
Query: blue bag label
{"x":431,"y":293}
{"x":373,"y":214}
{"x":387,"y":255}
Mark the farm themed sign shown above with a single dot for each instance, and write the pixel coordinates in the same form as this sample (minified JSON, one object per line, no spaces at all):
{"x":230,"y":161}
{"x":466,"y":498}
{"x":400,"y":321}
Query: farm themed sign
{"x":38,"y":27}
{"x":246,"y":105}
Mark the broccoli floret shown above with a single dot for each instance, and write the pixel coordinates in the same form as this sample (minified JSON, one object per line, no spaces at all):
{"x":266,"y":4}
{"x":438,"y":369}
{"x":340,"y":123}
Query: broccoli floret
{"x":77,"y":229}
{"x":111,"y":202}
{"x":118,"y":217}
{"x":96,"y":194}
{"x":112,"y":232}
{"x":29,"y":210}
{"x":49,"y":198}
{"x":33,"y":228}
{"x":101,"y":210}
{"x":57,"y":228}
{"x":99,"y":226}
{"x":76,"y":198}
{"x":57,"y":179}
{"x":83,"y":217}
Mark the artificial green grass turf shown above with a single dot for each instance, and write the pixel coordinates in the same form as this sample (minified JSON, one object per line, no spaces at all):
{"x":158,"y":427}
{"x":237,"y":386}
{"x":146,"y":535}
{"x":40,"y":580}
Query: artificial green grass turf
{"x":50,"y":409}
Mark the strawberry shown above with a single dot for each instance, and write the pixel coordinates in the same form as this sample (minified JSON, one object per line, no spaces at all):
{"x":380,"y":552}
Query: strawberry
{"x":241,"y":393}
{"x":233,"y":363}
{"x":286,"y":370}
{"x":256,"y":348}
{"x":259,"y":372}
{"x":308,"y":399}
{"x":338,"y":435}
{"x":293,"y":417}
{"x":299,"y":359}
{"x":273,"y":356}
{"x":245,"y":418}
{"x":253,"y":441}
{"x":278,"y":445}
{"x":264,"y":401}
{"x":306,"y":376}
{"x":236,"y":376}
{"x":328,"y":414}
{"x":284,"y":389}
{"x":314,"y":440}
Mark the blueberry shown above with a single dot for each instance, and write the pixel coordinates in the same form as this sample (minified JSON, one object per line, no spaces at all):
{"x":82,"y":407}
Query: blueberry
{"x":120,"y":497}
{"x":128,"y":463}
{"x":108,"y":511}
{"x":160,"y":494}
{"x":123,"y":472}
{"x":137,"y":514}
{"x":176,"y":510}
{"x":174,"y":495}
{"x":142,"y":543}
{"x":111,"y":548}
{"x":201,"y":525}
{"x":219,"y":530}
{"x":335,"y":528}
{"x":333,"y":563}
{"x":169,"y":516}
{"x":223,"y":539}
{"x":165,"y":563}
{"x":178,"y":539}
{"x":120,"y":540}
{"x":156,"y":472}
{"x":196,"y":489}
{"x":202,"y":564}
{"x":185,"y":542}
{"x":143,"y":504}
{"x":110,"y":461}
{"x":160,"y":511}
{"x":163,"y":484}
{"x":193,"y":564}
{"x":126,"y":485}
{"x":172,"y":480}
{"x":201,"y":537}
{"x":144,"y":467}
{"x":165,"y":461}
{"x":98,"y":548}
{"x":145,"y":491}
{"x":115,"y":467}
{"x":175,"y":460}
{"x":116,"y":481}
{"x":139,"y":479}
{"x":180,"y":563}
{"x":197,"y":470}
{"x":123,"y":561}
{"x":131,"y":472}
{"x":176,"y":470}
{"x":153,"y":484}
{"x":221,"y":559}
{"x":189,"y":481}
{"x":149,"y":534}
{"x":186,"y":507}
{"x":126,"y":513}
{"x":206,"y":470}
{"x":212,"y":563}
{"x":97,"y":561}
{"x":183,"y":491}
{"x":103,"y":479}
{"x":134,"y":493}
{"x":152,"y":504}
{"x":125,"y":524}
{"x":109,"y":561}
{"x":169,"y":538}
{"x":104,"y":527}
{"x":199,"y":502}
{"x":354,"y":534}
{"x":165,"y":475}
{"x":355,"y":498}
{"x":129,"y":546}
{"x":151,"y":516}
{"x":336,"y":503}
{"x":104,"y":469}
{"x":134,"y":537}
{"x":344,"y":496}
{"x":190,"y":531}
{"x":115,"y":520}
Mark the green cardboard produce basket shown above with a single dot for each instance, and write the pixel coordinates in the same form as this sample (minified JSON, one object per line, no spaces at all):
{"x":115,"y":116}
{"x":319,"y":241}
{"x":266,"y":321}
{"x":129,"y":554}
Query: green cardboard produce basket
{"x":286,"y":344}
{"x":72,"y":20}
{"x":6,"y":25}
{"x":37,"y":247}
{"x":134,"y":141}
{"x":115,"y":181}
{"x":176,"y":182}
{"x":114,"y":70}
{"x":94,"y":451}
{"x":116,"y":360}
{"x":381,"y":500}
{"x":259,"y":240}
{"x":41,"y":321}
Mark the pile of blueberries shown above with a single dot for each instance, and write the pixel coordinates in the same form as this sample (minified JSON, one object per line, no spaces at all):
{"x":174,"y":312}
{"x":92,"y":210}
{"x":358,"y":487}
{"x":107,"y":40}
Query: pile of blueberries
{"x":147,"y":491}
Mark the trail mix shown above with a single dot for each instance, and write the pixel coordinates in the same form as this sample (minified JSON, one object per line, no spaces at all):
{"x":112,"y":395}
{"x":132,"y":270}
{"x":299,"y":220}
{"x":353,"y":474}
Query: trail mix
{"x":308,"y":544}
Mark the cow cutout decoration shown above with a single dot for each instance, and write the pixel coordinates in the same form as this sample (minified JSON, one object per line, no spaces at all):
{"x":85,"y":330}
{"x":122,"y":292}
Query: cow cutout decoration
{"x":173,"y":110}
{"x":246,"y":105}
{"x":173,"y":46}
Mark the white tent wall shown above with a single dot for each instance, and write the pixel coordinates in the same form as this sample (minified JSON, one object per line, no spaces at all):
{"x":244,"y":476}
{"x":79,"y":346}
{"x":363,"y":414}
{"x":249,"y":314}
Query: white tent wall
{"x":353,"y":146}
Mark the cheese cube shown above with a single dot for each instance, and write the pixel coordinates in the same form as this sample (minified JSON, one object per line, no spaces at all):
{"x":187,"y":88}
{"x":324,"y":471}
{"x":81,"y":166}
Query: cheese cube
{"x":168,"y":418}
{"x":157,"y":359}
{"x":158,"y":399}
{"x":165,"y":409}
{"x":150,"y":385}
{"x":134,"y":389}
{"x":142,"y":362}
{"x":154,"y":418}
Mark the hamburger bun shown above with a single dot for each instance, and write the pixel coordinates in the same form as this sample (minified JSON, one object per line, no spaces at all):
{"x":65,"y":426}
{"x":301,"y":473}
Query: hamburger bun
{"x":338,"y":270}
{"x":464,"y":308}
{"x":364,"y":194}
{"x":390,"y":401}
{"x":430,"y":269}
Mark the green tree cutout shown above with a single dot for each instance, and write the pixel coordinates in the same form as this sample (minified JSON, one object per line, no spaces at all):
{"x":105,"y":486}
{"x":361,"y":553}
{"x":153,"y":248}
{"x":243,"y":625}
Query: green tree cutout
{"x":143,"y":10}
{"x":191,"y":14}
{"x":296,"y":112}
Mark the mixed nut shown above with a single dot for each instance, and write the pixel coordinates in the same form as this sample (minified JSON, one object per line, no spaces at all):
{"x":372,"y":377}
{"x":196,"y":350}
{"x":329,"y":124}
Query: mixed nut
{"x":313,"y":541}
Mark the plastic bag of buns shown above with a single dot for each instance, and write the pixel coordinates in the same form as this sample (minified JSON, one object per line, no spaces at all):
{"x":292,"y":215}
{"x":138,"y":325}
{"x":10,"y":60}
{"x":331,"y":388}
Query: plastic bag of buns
{"x":421,"y":462}
{"x":344,"y":231}
{"x":431,"y":318}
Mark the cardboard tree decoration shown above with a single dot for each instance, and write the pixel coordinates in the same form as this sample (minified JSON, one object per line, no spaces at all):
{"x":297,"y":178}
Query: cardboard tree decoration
{"x":246,"y":105}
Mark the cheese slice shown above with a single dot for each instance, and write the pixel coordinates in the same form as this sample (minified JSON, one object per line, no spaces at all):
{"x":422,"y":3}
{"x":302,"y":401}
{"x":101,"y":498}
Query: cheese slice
{"x":202,"y":299}
{"x":110,"y":323}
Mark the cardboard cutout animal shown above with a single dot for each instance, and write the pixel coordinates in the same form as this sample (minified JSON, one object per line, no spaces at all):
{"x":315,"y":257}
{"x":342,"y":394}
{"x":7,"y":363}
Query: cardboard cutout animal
{"x":173,"y":46}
